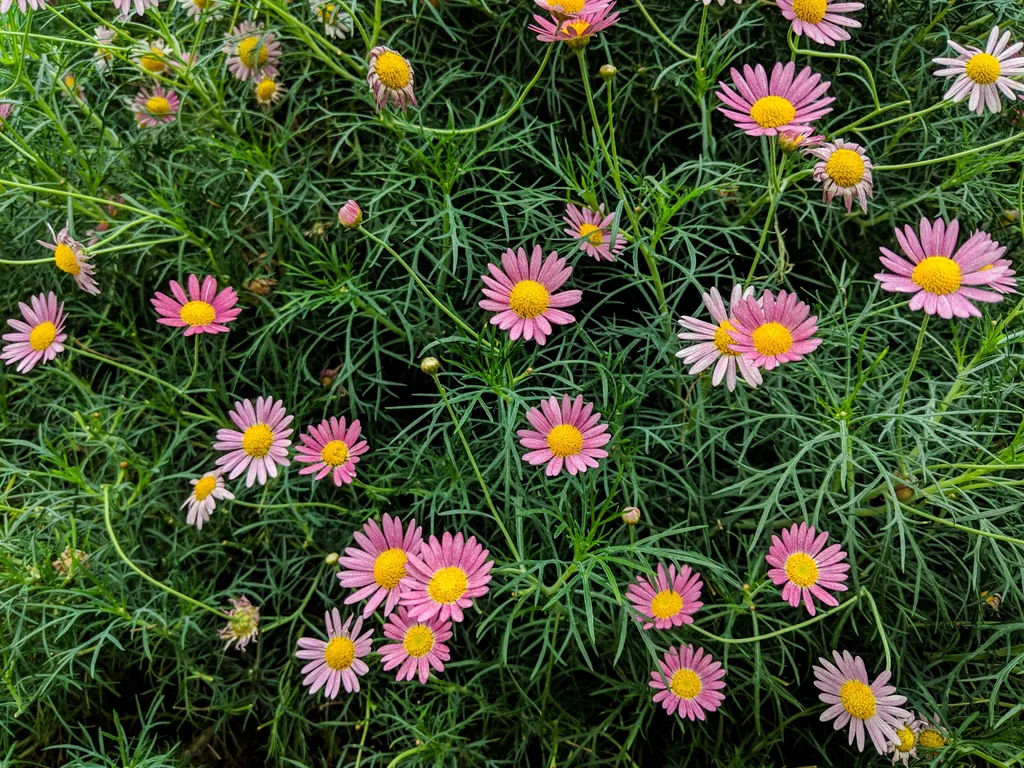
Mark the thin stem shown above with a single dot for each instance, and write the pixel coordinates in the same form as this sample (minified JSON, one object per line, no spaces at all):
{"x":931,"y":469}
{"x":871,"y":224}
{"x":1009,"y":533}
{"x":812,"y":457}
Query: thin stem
{"x":844,"y":56}
{"x":920,"y":163}
{"x":783,"y":631}
{"x":909,"y":116}
{"x":881,"y":628}
{"x":375,"y":35}
{"x":13,"y":263}
{"x":775,"y":195}
{"x":295,"y":614}
{"x":964,"y":528}
{"x":662,"y":35}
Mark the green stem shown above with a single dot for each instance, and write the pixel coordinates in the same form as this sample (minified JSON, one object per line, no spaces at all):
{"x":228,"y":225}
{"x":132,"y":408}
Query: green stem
{"x":964,"y":528}
{"x":881,"y":628}
{"x":1017,"y":136}
{"x":893,"y":121}
{"x":774,"y":196}
{"x":295,"y":614}
{"x":662,"y":35}
{"x":783,"y":631}
{"x":844,"y":56}
{"x":400,"y":757}
{"x":47,"y":260}
{"x":375,"y":35}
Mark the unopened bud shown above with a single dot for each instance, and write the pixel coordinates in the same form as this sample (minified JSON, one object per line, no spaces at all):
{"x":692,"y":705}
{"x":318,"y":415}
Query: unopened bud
{"x":631,"y":516}
{"x":607,"y":71}
{"x":430,"y":365}
{"x":350,"y":214}
{"x":904,"y":494}
{"x":331,"y":559}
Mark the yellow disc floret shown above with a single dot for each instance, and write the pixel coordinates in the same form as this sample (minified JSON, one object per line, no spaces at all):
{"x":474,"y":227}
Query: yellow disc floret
{"x":576,"y":32}
{"x":197,"y":313}
{"x":205,"y":487}
{"x":845,"y":167}
{"x":447,"y":585}
{"x":158,"y":105}
{"x":42,"y":336}
{"x":419,"y":641}
{"x":335,"y":453}
{"x":266,"y":89}
{"x":529,"y":299}
{"x":340,"y":653}
{"x":937,"y":274}
{"x":393,"y":70}
{"x":389,"y":568}
{"x":906,"y":739}
{"x":772,"y":339}
{"x":857,"y":699}
{"x":772,"y":111}
{"x":592,"y":233}
{"x":568,"y":6}
{"x":810,"y":11}
{"x":666,"y":604}
{"x":930,"y":738}
{"x":723,"y":339}
{"x":565,"y":440}
{"x":802,"y":570}
{"x":248,"y":54}
{"x":66,"y":259}
{"x":983,"y":68}
{"x":686,"y":684}
{"x":257,"y":440}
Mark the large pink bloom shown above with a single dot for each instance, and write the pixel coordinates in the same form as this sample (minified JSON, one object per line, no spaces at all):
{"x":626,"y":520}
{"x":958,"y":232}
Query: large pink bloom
{"x":332,"y":450}
{"x":40,"y":338}
{"x":670,"y":600}
{"x":337,"y":662}
{"x":564,"y":435}
{"x":801,"y":561}
{"x":202,"y":310}
{"x":773,"y":331}
{"x":376,"y":567}
{"x":787,"y":102}
{"x":261,"y":445}
{"x":821,"y":20}
{"x":420,"y":645}
{"x":446,"y":577}
{"x":694,"y":682}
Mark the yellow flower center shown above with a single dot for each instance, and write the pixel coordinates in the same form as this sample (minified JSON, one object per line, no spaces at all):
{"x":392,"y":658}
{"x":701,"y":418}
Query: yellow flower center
{"x":592,"y":233}
{"x":568,"y":6}
{"x":205,"y":487}
{"x":153,"y":64}
{"x":772,"y":111}
{"x":244,"y":623}
{"x":857,"y":699}
{"x":201,"y":4}
{"x":565,"y":440}
{"x":579,"y":26}
{"x":419,"y":640}
{"x":845,"y":167}
{"x":772,"y":339}
{"x":811,"y":11}
{"x":929,"y":738}
{"x":529,"y":299}
{"x":907,"y":739}
{"x":266,"y":89}
{"x":335,"y":453}
{"x":983,"y":68}
{"x":42,"y":336}
{"x":69,"y":80}
{"x":802,"y":570}
{"x":197,"y":313}
{"x":257,"y":440}
{"x":248,"y":54}
{"x":393,"y":70}
{"x":937,"y":274}
{"x":340,"y":653}
{"x":723,"y":339}
{"x":389,"y":568}
{"x":666,"y":604}
{"x":66,"y":260}
{"x":447,"y":585}
{"x":158,"y":105}
{"x":686,"y":684}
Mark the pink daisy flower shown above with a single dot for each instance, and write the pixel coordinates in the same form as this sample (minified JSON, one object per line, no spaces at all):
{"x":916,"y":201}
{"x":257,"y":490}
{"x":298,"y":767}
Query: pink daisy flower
{"x":864,"y":706}
{"x":800,"y":561}
{"x":140,"y":7}
{"x":821,"y":20}
{"x":71,"y":256}
{"x":567,"y":9}
{"x":156,"y":106}
{"x":523,"y":294}
{"x":787,"y":102}
{"x":253,"y":53}
{"x":945,"y":279}
{"x":337,"y":662}
{"x":714,"y":347}
{"x":670,"y":600}
{"x":23,"y":5}
{"x":40,"y":338}
{"x":332,"y":450}
{"x":564,"y":435}
{"x":845,"y":170}
{"x":6,"y":109}
{"x":420,"y":645}
{"x":770,"y":332}
{"x":202,"y":310}
{"x":904,"y":746}
{"x":391,"y":78}
{"x":576,"y":31}
{"x":594,"y":231}
{"x":201,"y":502}
{"x":984,"y":75}
{"x":446,"y":577}
{"x":694,"y":682}
{"x":377,"y":566}
{"x":791,"y":140}
{"x":261,"y":445}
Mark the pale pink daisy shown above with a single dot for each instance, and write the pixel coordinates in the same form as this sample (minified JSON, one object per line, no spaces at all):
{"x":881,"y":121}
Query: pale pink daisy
{"x":770,"y":331}
{"x":564,"y":435}
{"x":332,"y":449}
{"x":694,"y":682}
{"x":202,"y":310}
{"x":843,"y":169}
{"x":156,"y":106}
{"x":350,"y":215}
{"x":196,"y":8}
{"x":984,"y":74}
{"x":801,"y":561}
{"x":787,"y":102}
{"x":593,"y":230}
{"x":670,"y":600}
{"x":576,"y":31}
{"x":338,"y":662}
{"x":23,"y":5}
{"x":37,"y":339}
{"x":71,"y":256}
{"x":253,"y":53}
{"x":420,"y":645}
{"x":260,"y":443}
{"x":904,"y":746}
{"x":102,"y":58}
{"x":268,"y":92}
{"x":853,"y":701}
{"x":377,"y":566}
{"x":201,"y":502}
{"x":139,"y":6}
{"x":522,"y":292}
{"x":714,"y":347}
{"x":945,"y":279}
{"x":823,"y":21}
{"x":446,"y":577}
{"x":391,"y":78}
{"x":243,"y":624}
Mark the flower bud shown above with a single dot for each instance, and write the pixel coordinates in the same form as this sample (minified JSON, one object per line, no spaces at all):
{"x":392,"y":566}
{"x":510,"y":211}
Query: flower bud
{"x":331,"y":559}
{"x":904,"y":494}
{"x":350,"y":214}
{"x":328,"y":375}
{"x":607,"y":71}
{"x":430,"y":365}
{"x":631,"y":516}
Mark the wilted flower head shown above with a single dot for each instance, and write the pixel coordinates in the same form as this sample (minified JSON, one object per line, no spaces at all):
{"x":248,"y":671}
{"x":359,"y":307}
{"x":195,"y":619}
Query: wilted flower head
{"x":69,"y":560}
{"x":243,"y":624}
{"x":391,"y":78}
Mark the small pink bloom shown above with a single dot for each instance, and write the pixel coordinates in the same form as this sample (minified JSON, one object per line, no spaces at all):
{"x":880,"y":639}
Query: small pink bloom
{"x":823,"y":21}
{"x":569,"y":9}
{"x":206,"y":491}
{"x":262,"y":443}
{"x":420,"y":645}
{"x":576,"y":31}
{"x":252,"y":53}
{"x":670,"y":600}
{"x":338,"y":662}
{"x":843,"y":169}
{"x":243,"y":624}
{"x":350,"y":214}
{"x":390,"y":78}
{"x":72,"y":257}
{"x":566,"y":435}
{"x":774,"y":331}
{"x":23,"y":5}
{"x":156,"y":106}
{"x":801,"y":561}
{"x":593,"y":230}
{"x":202,"y":310}
{"x":446,"y":577}
{"x":377,"y":566}
{"x":332,"y":450}
{"x":787,"y":102}
{"x":40,"y":338}
{"x":688,"y":681}
{"x":126,"y":6}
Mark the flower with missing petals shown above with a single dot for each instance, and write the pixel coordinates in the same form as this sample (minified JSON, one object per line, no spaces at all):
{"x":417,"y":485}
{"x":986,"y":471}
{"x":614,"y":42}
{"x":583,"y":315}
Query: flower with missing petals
{"x":243,"y":624}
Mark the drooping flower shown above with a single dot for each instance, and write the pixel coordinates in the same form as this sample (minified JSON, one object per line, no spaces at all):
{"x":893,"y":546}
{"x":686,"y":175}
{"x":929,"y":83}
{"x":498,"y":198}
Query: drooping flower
{"x":154,"y":57}
{"x":791,"y":140}
{"x":715,"y":341}
{"x":566,"y":435}
{"x":771,"y":331}
{"x":243,"y":624}
{"x":593,"y":230}
{"x":102,"y":58}
{"x":71,"y":256}
{"x":201,"y":502}
{"x":446,"y":577}
{"x":391,"y":78}
{"x":70,"y":561}
{"x":694,"y":681}
{"x":670,"y":600}
{"x":945,"y":279}
{"x":260,"y":443}
{"x":801,"y":561}
{"x":350,"y":215}
{"x":787,"y":102}
{"x":338,"y":662}
{"x":568,"y":9}
{"x":156,"y":106}
{"x":202,"y":310}
{"x":196,"y":8}
{"x":336,"y":20}
{"x":522,"y":293}
{"x":576,"y":31}
{"x":420,"y":645}
{"x":268,"y":92}
{"x":845,"y":170}
{"x":823,"y":21}
{"x":139,"y":6}
{"x":331,"y":449}
{"x":23,"y":5}
{"x":872,"y":707}
{"x":984,"y":74}
{"x":37,"y":339}
{"x":904,"y":746}
{"x":253,"y":53}
{"x":72,"y":89}
{"x":377,"y":566}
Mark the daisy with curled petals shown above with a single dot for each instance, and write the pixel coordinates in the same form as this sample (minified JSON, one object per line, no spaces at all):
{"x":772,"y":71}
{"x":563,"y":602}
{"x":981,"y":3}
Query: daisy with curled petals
{"x":787,"y":102}
{"x":904,"y":746}
{"x":773,"y":331}
{"x":206,"y":491}
{"x":269,"y":92}
{"x":103,"y":58}
{"x":261,"y":442}
{"x":594,"y":231}
{"x":332,"y":449}
{"x":567,"y":9}
{"x":243,"y":624}
{"x":377,"y":566}
{"x":127,"y":6}
{"x":945,"y":279}
{"x":391,"y":78}
{"x":446,"y":577}
{"x":566,"y":435}
{"x":668,"y":601}
{"x":984,"y":75}
{"x":821,"y":20}
{"x":576,"y":31}
{"x":252,"y":52}
{"x":155,"y":107}
{"x":843,"y":169}
{"x":801,"y":561}
{"x":37,"y":339}
{"x":419,"y":646}
{"x":70,"y":256}
{"x":338,"y":662}
{"x":864,"y":706}
{"x":714,"y":347}
{"x":694,"y":683}
{"x":522,"y":292}
{"x":930,"y":735}
{"x":201,"y":310}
